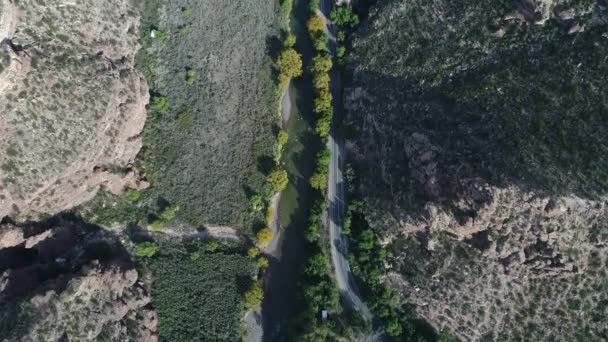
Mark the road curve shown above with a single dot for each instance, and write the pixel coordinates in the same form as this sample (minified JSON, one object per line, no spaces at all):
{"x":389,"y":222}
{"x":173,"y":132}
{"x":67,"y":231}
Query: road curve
{"x":335,"y":190}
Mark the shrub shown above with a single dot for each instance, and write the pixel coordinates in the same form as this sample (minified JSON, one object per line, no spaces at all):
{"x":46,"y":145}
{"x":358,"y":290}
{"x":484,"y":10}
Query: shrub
{"x":158,"y":225}
{"x":254,"y":296}
{"x":190,"y":76}
{"x":264,"y":236}
{"x":256,"y":202}
{"x":341,"y":36}
{"x":315,"y":24}
{"x":186,"y":11}
{"x":290,"y":40}
{"x":262,"y":263}
{"x":278,"y":180}
{"x":253,"y":252}
{"x":160,"y":104}
{"x":269,"y":212}
{"x":323,"y":126}
{"x":393,"y":327}
{"x":146,"y":249}
{"x":161,"y":36}
{"x":290,"y":63}
{"x":169,"y":213}
{"x":283,"y":138}
{"x":133,"y":195}
{"x":185,"y":120}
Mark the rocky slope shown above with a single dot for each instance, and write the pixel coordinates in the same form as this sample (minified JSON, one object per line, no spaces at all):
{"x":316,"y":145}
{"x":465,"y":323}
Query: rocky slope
{"x":72,"y":105}
{"x":480,"y":142}
{"x":65,"y":280}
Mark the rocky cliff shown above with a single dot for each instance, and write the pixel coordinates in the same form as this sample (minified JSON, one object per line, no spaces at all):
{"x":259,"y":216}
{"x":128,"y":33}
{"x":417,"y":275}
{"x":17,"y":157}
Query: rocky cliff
{"x":480,"y":143}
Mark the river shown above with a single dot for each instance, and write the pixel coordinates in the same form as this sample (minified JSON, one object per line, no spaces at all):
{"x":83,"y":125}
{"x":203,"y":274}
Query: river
{"x":284,"y":271}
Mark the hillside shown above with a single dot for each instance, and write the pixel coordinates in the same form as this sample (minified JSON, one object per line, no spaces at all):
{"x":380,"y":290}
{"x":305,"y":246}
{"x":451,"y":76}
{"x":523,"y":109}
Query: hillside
{"x":478,"y":130}
{"x":72,"y":105}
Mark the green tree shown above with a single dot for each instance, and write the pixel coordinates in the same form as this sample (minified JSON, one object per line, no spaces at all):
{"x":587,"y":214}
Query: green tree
{"x":313,"y":6}
{"x":146,"y":249}
{"x":278,"y":179}
{"x":319,"y":181}
{"x":323,"y":126}
{"x":321,"y":64}
{"x":319,"y":41}
{"x":315,"y":24}
{"x":343,"y":15}
{"x":264,"y":236}
{"x":322,"y":102}
{"x":290,"y":63}
{"x":317,"y":265}
{"x":320,"y":81}
{"x":254,"y":296}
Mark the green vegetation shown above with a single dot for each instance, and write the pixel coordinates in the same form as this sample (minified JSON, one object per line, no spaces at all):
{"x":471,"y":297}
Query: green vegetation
{"x":290,"y":66}
{"x":254,"y":296}
{"x":286,"y":7}
{"x":344,"y":16}
{"x":368,"y":259}
{"x":190,"y":76}
{"x":133,"y":195}
{"x":320,"y":69}
{"x":206,"y":153}
{"x":264,"y":236}
{"x":197,"y":300}
{"x":290,"y":41}
{"x":160,"y":104}
{"x":146,"y":249}
{"x":161,"y":36}
{"x":282,"y":138}
{"x":135,"y":207}
{"x":317,"y":288}
{"x":278,"y":180}
{"x":313,"y":6}
{"x":319,"y":179}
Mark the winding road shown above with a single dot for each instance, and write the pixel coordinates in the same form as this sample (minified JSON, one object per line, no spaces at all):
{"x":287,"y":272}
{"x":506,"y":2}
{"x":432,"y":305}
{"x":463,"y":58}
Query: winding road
{"x":339,"y":242}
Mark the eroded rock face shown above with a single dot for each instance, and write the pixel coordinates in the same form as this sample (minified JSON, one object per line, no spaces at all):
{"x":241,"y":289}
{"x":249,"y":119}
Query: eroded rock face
{"x":63,"y":279}
{"x":516,"y":261}
{"x":71,"y":102}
